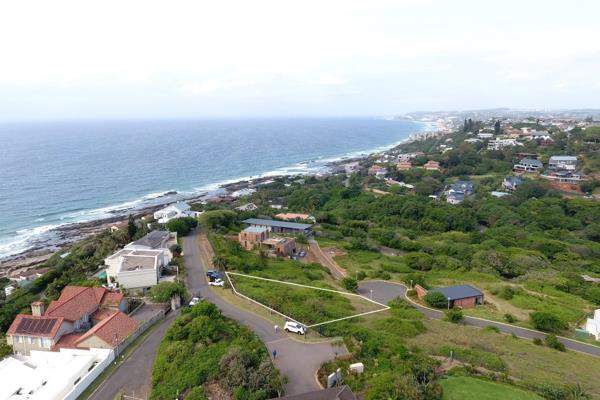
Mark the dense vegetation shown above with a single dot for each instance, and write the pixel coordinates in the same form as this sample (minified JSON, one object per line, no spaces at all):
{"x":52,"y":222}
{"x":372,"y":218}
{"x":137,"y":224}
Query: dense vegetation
{"x":203,"y":347}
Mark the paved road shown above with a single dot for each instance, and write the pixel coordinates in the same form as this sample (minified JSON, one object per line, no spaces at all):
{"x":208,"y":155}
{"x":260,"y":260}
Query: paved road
{"x":133,"y":375}
{"x":296,"y":360}
{"x":386,"y":291}
{"x":326,"y":260}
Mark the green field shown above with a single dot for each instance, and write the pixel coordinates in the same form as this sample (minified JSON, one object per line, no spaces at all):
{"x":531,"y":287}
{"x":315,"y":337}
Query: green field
{"x":465,"y":388}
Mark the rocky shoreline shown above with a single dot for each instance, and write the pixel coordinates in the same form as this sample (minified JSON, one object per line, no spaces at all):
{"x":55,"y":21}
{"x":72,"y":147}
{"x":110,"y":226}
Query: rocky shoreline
{"x":66,"y":235}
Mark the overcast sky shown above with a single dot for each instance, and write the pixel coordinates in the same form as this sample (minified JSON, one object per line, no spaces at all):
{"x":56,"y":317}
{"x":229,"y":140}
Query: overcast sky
{"x":147,"y":59}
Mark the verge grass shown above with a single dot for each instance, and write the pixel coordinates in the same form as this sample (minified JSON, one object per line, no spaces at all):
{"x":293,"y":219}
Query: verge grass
{"x":467,"y":388}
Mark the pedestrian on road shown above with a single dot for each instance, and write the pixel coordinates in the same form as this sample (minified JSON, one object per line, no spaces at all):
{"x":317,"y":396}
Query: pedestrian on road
{"x":276,"y":328}
{"x":274,"y":354}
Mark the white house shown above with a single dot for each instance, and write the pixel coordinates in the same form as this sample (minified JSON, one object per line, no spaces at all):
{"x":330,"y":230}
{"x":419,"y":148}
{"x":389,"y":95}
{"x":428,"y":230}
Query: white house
{"x":593,"y":325}
{"x":173,"y":211}
{"x":565,"y":163}
{"x":8,"y":290}
{"x":499,"y":144}
{"x":139,"y":264}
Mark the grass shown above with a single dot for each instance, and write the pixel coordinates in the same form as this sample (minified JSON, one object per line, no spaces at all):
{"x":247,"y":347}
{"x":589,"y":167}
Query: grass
{"x":466,"y":388}
{"x":308,"y":306}
{"x":521,"y":359}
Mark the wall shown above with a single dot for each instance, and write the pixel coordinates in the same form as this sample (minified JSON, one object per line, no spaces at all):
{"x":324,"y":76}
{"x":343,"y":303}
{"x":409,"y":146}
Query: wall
{"x":137,"y":279}
{"x":90,"y":377}
{"x":469,"y":302}
{"x":421,"y":291}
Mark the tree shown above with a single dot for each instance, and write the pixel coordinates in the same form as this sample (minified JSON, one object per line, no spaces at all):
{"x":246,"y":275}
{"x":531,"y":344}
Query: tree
{"x":217,"y":219}
{"x":182,"y":225}
{"x":497,"y":127}
{"x":436,"y":299}
{"x":220,"y":263}
{"x":552,"y":341}
{"x":176,"y":249}
{"x":350,"y":284}
{"x":164,"y":291}
{"x":131,"y":227}
{"x":547,"y":322}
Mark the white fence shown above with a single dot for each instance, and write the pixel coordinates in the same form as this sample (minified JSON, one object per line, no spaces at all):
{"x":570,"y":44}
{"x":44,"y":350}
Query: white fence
{"x":90,"y":377}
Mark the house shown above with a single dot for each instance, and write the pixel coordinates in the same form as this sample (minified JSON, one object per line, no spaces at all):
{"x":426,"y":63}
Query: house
{"x":461,"y":296}
{"x":564,"y":176}
{"x":499,"y":194}
{"x":282,"y":247}
{"x":8,"y":290}
{"x":465,"y":187}
{"x":28,"y":275}
{"x":45,"y":375}
{"x":562,"y":163}
{"x":173,"y":211}
{"x":295,"y":217}
{"x":404,"y":165}
{"x":375,"y":169}
{"x":139,"y":264}
{"x":472,"y":140}
{"x":253,"y":236}
{"x":67,"y":321}
{"x":528,"y":165}
{"x":432,"y":165}
{"x":334,"y":393}
{"x":593,"y":325}
{"x":485,"y":135}
{"x":280,"y":226}
{"x":352,"y":167}
{"x":511,"y":182}
{"x":499,"y":144}
{"x":381,"y":173}
{"x":247,"y":207}
{"x":455,"y":198}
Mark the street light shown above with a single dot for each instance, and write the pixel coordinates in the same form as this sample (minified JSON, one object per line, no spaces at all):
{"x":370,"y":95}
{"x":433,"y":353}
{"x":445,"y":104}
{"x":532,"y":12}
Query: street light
{"x":371,"y":290}
{"x":448,"y":303}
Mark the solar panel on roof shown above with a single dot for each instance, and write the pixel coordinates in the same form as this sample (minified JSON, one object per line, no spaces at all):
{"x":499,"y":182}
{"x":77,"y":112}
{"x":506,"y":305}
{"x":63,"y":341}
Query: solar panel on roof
{"x":40,"y":326}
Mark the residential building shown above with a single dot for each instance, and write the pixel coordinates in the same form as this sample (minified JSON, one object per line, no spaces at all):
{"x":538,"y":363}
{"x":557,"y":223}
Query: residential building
{"x":485,"y":135}
{"x":8,"y":290}
{"x":154,"y":240}
{"x":564,"y":163}
{"x":352,"y":167}
{"x":461,"y":296}
{"x":409,"y":156}
{"x":80,"y":313}
{"x":282,"y":247}
{"x":564,"y":176}
{"x":432,"y":165}
{"x":247,"y":207}
{"x":45,"y":375}
{"x":528,"y":165}
{"x":280,"y":226}
{"x":253,"y":236}
{"x":173,"y":211}
{"x":373,"y":170}
{"x":381,"y":173}
{"x":136,"y":269}
{"x":295,"y":217}
{"x":455,"y":198}
{"x":511,"y":182}
{"x":458,"y":191}
{"x":593,"y":325}
{"x":404,"y":165}
{"x":499,"y":144}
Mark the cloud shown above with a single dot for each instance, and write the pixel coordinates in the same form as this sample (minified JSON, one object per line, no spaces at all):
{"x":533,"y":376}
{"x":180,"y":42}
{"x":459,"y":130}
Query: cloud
{"x":329,"y":80}
{"x":517,"y":76}
{"x":560,"y":85}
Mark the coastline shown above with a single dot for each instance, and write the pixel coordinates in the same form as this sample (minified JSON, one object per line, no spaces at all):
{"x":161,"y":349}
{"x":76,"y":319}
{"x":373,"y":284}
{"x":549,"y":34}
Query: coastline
{"x":70,"y":233}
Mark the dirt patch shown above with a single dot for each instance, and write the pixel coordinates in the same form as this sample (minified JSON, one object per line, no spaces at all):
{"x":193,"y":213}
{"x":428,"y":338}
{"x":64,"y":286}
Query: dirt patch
{"x":334,"y":251}
{"x":216,"y":392}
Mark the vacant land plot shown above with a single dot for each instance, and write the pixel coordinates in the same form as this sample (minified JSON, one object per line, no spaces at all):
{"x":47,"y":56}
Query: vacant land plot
{"x":306,"y":305}
{"x":518,"y":358}
{"x":466,"y":388}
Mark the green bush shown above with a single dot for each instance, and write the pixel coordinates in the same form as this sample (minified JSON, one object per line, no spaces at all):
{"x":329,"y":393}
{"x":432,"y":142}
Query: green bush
{"x":552,"y":341}
{"x":182,"y":226}
{"x":436,"y":299}
{"x":350,"y":284}
{"x":538,"y":342}
{"x":454,"y":315}
{"x":510,"y":318}
{"x":164,"y":291}
{"x":217,"y":219}
{"x":492,"y":328}
{"x":547,"y":322}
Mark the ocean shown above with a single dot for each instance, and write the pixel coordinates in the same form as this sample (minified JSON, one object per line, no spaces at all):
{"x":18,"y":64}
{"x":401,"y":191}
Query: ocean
{"x":57,"y":173}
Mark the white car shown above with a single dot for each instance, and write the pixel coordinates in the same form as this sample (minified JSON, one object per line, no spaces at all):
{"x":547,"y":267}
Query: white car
{"x":294,"y":327}
{"x":217,"y":282}
{"x":194,"y":301}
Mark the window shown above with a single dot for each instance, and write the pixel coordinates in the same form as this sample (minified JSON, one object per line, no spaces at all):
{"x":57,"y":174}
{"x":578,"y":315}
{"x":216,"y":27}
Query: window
{"x":30,"y":340}
{"x":46,"y":343}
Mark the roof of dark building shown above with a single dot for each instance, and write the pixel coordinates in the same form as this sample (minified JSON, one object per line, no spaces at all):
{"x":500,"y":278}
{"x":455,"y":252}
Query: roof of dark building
{"x":279,"y":224}
{"x":458,"y":292}
{"x":153,"y":240}
{"x":336,"y":393}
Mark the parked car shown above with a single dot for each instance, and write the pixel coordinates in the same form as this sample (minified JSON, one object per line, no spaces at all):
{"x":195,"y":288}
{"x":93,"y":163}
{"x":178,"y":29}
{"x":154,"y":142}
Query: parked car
{"x":217,"y":282}
{"x":195,"y":300}
{"x":294,"y":327}
{"x":212,"y":274}
{"x":302,"y":253}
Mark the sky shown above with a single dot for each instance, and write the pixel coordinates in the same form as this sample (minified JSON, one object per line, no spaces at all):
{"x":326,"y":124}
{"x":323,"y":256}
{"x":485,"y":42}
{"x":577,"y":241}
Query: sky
{"x":203,"y":59}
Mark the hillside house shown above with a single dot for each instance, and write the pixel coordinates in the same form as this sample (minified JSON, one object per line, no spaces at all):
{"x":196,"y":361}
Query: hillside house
{"x":528,"y":165}
{"x":174,"y":211}
{"x":253,"y":236}
{"x":432,"y":165}
{"x":280,"y":226}
{"x":511,"y":183}
{"x":461,"y":296}
{"x":563,"y":163}
{"x":81,"y":316}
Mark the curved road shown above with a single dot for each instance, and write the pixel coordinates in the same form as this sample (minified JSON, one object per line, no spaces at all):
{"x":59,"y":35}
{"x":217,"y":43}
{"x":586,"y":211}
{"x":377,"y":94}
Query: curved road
{"x":296,"y":360}
{"x":386,"y":291}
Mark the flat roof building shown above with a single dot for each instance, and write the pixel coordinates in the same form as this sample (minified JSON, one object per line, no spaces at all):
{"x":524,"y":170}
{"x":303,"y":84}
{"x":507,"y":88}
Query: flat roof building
{"x":280,"y":226}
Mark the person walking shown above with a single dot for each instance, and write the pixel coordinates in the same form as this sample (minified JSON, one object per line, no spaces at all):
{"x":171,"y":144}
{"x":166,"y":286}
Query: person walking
{"x":274,"y":354}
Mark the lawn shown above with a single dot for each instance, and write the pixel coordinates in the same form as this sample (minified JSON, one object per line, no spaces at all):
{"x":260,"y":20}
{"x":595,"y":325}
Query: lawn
{"x":466,"y":388}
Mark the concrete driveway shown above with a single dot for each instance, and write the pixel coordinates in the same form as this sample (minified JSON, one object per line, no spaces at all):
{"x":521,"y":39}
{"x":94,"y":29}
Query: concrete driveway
{"x":386,"y":291}
{"x":296,"y":360}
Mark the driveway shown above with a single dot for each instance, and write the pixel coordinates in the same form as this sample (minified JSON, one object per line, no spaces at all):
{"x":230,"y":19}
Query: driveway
{"x":133,"y":375}
{"x":386,"y":291}
{"x":296,"y":360}
{"x":327,"y":260}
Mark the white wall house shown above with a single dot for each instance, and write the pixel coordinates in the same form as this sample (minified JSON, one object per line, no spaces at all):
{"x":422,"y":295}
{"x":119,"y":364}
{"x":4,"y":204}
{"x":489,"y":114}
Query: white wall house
{"x":140,"y":263}
{"x":593,"y":325}
{"x":173,"y":211}
{"x":565,"y":163}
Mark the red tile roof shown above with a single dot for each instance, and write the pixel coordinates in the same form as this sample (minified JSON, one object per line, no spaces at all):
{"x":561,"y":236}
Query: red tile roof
{"x":112,"y":330}
{"x":30,"y":325}
{"x":68,"y":341}
{"x":76,"y":301}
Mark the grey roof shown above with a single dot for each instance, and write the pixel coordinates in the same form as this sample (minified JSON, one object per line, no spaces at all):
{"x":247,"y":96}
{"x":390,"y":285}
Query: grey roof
{"x":153,"y":240}
{"x":458,"y":292}
{"x":255,"y":229}
{"x":515,"y":180}
{"x":279,"y":224}
{"x":335,"y":393}
{"x":531,"y":161}
{"x":563,"y":158}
